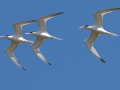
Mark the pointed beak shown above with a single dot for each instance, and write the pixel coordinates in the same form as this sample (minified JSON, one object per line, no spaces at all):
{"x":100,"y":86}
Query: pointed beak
{"x":2,"y":36}
{"x":28,"y":33}
{"x":82,"y":27}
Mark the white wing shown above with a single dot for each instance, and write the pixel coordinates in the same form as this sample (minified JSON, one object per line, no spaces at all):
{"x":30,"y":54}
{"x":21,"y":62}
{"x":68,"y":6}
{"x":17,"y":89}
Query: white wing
{"x":35,"y":48}
{"x":89,"y":43}
{"x":18,"y":27}
{"x":42,"y":21}
{"x":99,"y":16}
{"x":10,"y":54}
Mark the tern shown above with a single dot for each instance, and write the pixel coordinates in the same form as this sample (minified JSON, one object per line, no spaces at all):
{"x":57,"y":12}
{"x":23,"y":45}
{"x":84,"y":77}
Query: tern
{"x":96,"y":30}
{"x":16,"y":39}
{"x":41,"y":35}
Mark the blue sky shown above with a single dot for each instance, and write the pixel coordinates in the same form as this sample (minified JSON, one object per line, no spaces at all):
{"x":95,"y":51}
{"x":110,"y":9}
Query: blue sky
{"x":73,"y":66}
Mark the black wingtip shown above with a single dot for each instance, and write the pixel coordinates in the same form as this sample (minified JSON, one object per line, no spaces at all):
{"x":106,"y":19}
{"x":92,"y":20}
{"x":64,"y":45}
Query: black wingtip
{"x":23,"y":68}
{"x":102,"y":60}
{"x":59,"y":13}
{"x":117,"y":8}
{"x":32,"y":21}
{"x":49,"y":63}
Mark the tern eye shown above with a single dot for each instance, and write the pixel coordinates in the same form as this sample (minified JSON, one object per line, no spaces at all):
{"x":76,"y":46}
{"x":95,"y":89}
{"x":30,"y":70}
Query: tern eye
{"x":31,"y":32}
{"x":86,"y":25}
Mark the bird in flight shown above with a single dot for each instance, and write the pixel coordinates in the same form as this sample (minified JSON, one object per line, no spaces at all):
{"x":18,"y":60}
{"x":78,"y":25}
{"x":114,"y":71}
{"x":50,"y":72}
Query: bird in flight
{"x":16,"y":39}
{"x":41,"y":35}
{"x":96,"y":30}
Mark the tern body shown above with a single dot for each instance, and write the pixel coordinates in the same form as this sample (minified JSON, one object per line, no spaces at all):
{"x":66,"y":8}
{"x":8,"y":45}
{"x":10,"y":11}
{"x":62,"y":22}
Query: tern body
{"x":16,"y":39}
{"x":99,"y":30}
{"x":96,"y":30}
{"x":42,"y":34}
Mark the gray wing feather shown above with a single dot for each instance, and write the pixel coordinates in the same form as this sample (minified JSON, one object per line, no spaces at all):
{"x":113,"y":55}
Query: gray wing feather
{"x":35,"y":48}
{"x":9,"y":52}
{"x":99,"y":15}
{"x":42,"y":21}
{"x":89,"y":44}
{"x":18,"y":27}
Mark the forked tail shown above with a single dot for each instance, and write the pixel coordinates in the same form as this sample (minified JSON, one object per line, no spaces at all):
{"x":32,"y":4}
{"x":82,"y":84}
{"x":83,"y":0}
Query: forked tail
{"x":55,"y":38}
{"x":112,"y":34}
{"x":30,"y":41}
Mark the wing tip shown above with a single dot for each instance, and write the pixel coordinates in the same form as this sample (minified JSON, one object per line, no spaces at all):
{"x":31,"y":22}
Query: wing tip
{"x":49,"y":63}
{"x":117,"y":8}
{"x":32,"y":21}
{"x":23,"y":68}
{"x":102,"y":60}
{"x":59,"y":13}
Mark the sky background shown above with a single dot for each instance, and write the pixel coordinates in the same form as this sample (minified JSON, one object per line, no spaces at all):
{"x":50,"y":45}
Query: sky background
{"x":73,"y":66}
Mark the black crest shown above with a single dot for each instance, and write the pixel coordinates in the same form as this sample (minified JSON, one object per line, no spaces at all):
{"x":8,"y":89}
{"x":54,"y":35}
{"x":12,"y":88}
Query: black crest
{"x":31,"y":32}
{"x":86,"y":25}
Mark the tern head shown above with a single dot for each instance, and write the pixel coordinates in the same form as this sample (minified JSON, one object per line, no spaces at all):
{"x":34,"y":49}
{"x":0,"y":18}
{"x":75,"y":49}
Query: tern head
{"x":86,"y":26}
{"x":29,"y":33}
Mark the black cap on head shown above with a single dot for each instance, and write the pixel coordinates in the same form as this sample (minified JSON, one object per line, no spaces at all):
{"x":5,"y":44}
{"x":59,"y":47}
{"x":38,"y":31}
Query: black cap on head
{"x":31,"y":32}
{"x":86,"y":25}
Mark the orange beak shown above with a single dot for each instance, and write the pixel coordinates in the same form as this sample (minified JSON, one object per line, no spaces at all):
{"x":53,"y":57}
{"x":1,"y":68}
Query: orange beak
{"x":2,"y":36}
{"x":28,"y":33}
{"x":82,"y":27}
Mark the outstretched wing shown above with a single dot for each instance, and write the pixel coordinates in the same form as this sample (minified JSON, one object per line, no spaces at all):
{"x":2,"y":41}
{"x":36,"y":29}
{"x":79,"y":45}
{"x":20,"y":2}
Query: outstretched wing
{"x":42,"y":21}
{"x":10,"y":53}
{"x":99,"y":16}
{"x":18,"y":27}
{"x":89,"y":44}
{"x":35,"y":48}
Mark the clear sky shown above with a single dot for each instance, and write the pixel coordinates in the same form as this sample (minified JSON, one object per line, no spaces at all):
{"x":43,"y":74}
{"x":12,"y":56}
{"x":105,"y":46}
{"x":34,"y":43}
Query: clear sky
{"x":73,"y":66}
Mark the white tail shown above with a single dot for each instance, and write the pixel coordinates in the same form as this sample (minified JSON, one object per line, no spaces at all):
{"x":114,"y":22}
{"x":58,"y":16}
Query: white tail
{"x":112,"y":34}
{"x":55,"y":38}
{"x":30,"y":41}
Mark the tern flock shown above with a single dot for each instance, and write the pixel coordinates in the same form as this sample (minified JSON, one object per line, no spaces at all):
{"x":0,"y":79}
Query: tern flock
{"x":42,"y":34}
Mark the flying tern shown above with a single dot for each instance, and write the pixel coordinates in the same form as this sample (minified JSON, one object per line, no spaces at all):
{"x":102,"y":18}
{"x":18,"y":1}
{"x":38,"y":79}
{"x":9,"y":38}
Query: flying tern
{"x":42,"y":34}
{"x":96,"y":30}
{"x":16,"y":39}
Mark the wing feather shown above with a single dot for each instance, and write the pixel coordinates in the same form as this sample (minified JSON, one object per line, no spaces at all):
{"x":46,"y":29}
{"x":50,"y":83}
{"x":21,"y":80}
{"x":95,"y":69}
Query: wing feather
{"x":42,"y":21}
{"x":99,"y":16}
{"x":9,"y":52}
{"x":89,"y":44}
{"x":18,"y":27}
{"x":35,"y":48}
